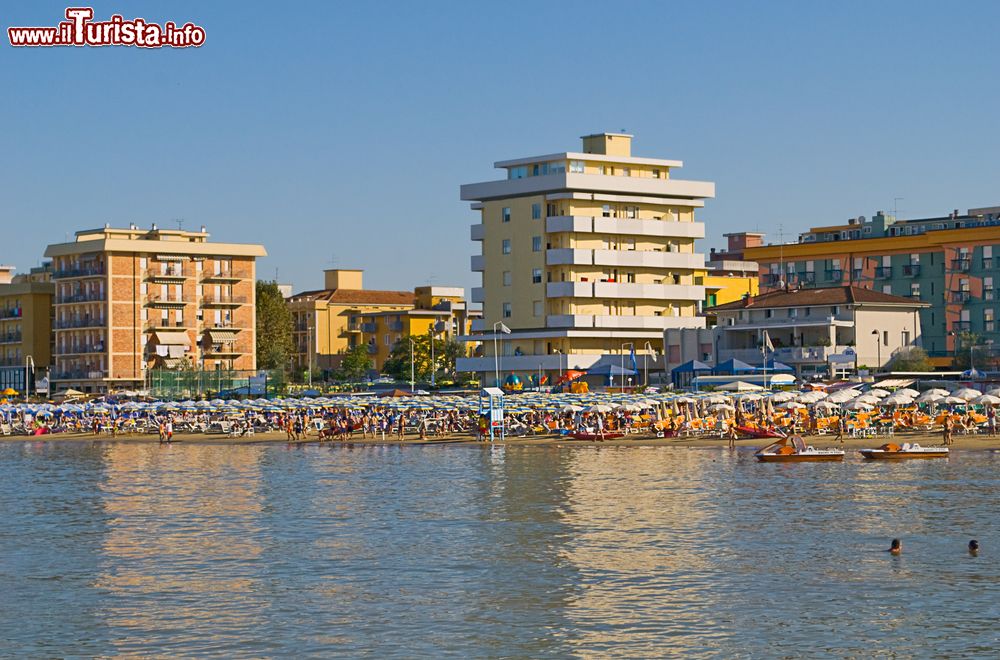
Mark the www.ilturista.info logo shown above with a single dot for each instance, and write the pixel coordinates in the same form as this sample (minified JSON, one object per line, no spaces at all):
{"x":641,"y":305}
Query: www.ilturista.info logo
{"x":79,"y":29}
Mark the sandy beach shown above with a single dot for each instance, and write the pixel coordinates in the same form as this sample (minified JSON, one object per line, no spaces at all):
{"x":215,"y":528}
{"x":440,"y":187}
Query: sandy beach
{"x":964,"y":442}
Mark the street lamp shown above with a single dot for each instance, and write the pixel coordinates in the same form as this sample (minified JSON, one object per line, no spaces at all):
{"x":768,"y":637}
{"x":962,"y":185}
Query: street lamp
{"x":498,"y":327}
{"x":413,"y":380}
{"x":628,"y":343}
{"x":878,"y":346}
{"x":560,"y":354}
{"x":433,"y":364}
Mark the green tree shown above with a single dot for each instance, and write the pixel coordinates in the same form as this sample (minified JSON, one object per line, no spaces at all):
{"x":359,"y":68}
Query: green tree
{"x":913,"y":359}
{"x":356,"y":364}
{"x":274,"y":327}
{"x":445,"y":354}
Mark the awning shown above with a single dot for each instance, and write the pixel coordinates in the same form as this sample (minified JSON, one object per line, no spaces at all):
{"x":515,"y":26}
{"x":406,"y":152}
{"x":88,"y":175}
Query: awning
{"x":170,"y":363}
{"x":176,"y":351}
{"x":170,"y":257}
{"x":221,"y":336}
{"x":896,"y":382}
{"x":172,"y":337}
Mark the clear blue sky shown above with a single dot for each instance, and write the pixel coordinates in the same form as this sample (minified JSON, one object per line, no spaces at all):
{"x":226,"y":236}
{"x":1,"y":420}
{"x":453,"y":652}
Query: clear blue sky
{"x":310,"y":130}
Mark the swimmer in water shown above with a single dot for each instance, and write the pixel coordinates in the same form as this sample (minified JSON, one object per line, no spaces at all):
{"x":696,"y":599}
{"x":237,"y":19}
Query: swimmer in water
{"x":974,"y":547}
{"x":896,"y":547}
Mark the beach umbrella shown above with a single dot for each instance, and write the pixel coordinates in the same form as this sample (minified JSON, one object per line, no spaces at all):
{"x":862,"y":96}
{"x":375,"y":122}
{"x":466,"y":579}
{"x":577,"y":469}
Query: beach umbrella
{"x":953,"y":400}
{"x":930,"y":396}
{"x":840,"y":396}
{"x":987,"y":400}
{"x":826,"y":405}
{"x":782,"y":397}
{"x":908,"y":391}
{"x":897,"y":400}
{"x":994,"y":392}
{"x":878,"y":392}
{"x":858,"y":404}
{"x":600,"y":408}
{"x":721,"y":407}
{"x":966,"y":393}
{"x":867,"y":398}
{"x":717,"y":398}
{"x":791,"y":405}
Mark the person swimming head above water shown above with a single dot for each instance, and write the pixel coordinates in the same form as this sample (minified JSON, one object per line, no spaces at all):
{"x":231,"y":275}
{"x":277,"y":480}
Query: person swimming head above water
{"x":896,"y":547}
{"x":973,"y":547}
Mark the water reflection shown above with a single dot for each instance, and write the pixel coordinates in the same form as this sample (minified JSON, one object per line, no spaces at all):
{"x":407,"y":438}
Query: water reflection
{"x":517,"y":551}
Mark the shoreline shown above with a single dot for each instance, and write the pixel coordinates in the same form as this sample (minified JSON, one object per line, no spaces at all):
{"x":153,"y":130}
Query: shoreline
{"x":964,"y":442}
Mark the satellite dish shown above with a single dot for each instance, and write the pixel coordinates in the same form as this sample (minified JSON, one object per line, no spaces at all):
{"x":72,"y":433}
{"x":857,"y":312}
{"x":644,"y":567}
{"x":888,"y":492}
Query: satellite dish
{"x":861,"y":219}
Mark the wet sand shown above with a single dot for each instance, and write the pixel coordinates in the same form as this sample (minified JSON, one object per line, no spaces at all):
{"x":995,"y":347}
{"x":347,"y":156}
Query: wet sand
{"x":634,"y":440}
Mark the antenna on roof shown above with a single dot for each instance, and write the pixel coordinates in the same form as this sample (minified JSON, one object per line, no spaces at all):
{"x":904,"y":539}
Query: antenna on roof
{"x":180,"y":223}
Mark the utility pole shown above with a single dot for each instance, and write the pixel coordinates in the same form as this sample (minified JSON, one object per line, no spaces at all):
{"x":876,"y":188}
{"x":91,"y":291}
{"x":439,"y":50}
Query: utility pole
{"x":413,"y":380}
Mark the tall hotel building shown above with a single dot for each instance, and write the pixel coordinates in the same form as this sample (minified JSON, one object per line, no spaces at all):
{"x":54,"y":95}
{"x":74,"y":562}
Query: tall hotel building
{"x":130,"y":300}
{"x":584,"y":256}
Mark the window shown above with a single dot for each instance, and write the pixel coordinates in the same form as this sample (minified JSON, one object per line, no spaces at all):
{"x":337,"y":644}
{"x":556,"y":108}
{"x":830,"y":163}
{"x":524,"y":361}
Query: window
{"x":987,"y":288}
{"x":576,"y":166}
{"x":885,"y":337}
{"x":550,"y":210}
{"x":606,"y":210}
{"x":915,"y":289}
{"x":386,"y":340}
{"x":906,"y":338}
{"x":142,"y":262}
{"x":630,"y":278}
{"x":887,"y":288}
{"x":536,"y":211}
{"x":506,"y":278}
{"x":505,"y":214}
{"x":988,"y":324}
{"x":536,"y":243}
{"x":768,"y":313}
{"x":536,"y":307}
{"x":506,"y":310}
{"x":835,"y":310}
{"x":656,"y":174}
{"x":518,"y":172}
{"x":536,"y":275}
{"x":626,"y":171}
{"x":987,"y":257}
{"x":505,"y":246}
{"x":793,"y":313}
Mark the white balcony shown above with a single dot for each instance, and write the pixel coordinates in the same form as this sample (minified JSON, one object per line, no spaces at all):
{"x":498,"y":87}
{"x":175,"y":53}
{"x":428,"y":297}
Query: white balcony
{"x":477,"y":325}
{"x":677,"y":191}
{"x":569,"y":290}
{"x":567,"y":256}
{"x":478,"y":263}
{"x":648,"y":291}
{"x":477,"y":232}
{"x":569,"y":223}
{"x":569,"y":321}
{"x":647,"y":259}
{"x":648,"y":322}
{"x":478,"y":295}
{"x":649,"y":227}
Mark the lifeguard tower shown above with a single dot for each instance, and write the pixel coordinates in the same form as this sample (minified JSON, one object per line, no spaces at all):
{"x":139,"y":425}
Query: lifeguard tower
{"x":491,"y":405}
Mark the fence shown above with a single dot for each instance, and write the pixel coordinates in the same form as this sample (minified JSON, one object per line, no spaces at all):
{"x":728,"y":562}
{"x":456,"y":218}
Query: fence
{"x":215,"y":383}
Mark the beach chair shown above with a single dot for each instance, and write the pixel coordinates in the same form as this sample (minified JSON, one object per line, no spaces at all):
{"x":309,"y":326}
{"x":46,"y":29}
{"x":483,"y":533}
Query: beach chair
{"x":6,"y":429}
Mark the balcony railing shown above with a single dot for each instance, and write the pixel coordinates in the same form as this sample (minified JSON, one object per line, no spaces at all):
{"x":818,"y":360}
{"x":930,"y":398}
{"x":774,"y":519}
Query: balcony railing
{"x":960,"y":296}
{"x":168,"y":274}
{"x":98,"y":296}
{"x":883,"y":272}
{"x":835,"y":275}
{"x":14,"y":313}
{"x":911,"y":270}
{"x":78,"y":374}
{"x":961,"y":265}
{"x":987,"y":294}
{"x":163,"y":324}
{"x":11,"y":338}
{"x":396,"y":326}
{"x":91,"y":271}
{"x":987,"y":263}
{"x":222,"y":349}
{"x":223,"y":300}
{"x":372,"y":349}
{"x":855,"y":274}
{"x":166,"y":302}
{"x":221,"y":275}
{"x":770,"y":280}
{"x":961,"y":326}
{"x":807,"y":278}
{"x":81,"y":349}
{"x":368,"y":327}
{"x":70,"y":324}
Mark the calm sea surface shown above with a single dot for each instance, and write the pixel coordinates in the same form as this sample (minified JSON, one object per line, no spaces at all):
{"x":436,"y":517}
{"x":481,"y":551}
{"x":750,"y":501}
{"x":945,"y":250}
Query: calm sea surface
{"x":201,"y":550}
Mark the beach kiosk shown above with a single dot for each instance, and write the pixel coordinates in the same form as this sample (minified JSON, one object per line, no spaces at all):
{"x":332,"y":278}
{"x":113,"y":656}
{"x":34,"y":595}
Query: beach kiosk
{"x":491,"y":407}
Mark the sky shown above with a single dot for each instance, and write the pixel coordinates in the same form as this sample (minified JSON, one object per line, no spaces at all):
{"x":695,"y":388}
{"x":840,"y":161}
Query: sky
{"x":338,"y":134}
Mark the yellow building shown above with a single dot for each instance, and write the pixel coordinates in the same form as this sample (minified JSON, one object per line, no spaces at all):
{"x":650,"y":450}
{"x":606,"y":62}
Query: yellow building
{"x":131,"y":300}
{"x":25,"y":326}
{"x":585,"y":255}
{"x":329,"y":322}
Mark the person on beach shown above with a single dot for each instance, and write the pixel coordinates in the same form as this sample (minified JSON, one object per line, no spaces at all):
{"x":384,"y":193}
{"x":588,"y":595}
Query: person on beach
{"x":946,"y":429}
{"x":170,"y":429}
{"x":163,"y":432}
{"x":896,"y":547}
{"x":600,"y":427}
{"x":974,"y":547}
{"x":991,"y":419}
{"x":289,"y":431}
{"x":401,"y":427}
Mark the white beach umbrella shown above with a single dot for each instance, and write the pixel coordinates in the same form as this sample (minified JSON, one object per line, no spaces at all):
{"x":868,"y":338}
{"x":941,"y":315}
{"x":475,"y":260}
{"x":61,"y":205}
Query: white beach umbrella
{"x":844,"y":395}
{"x":718,"y":398}
{"x":897,"y":400}
{"x":994,"y":392}
{"x":858,"y":404}
{"x":791,"y":405}
{"x":987,"y":400}
{"x":868,"y":398}
{"x":781,"y":397}
{"x":939,"y":391}
{"x":878,"y":392}
{"x":967,"y":393}
{"x":600,"y":408}
{"x":953,"y":400}
{"x":721,"y":407}
{"x":826,"y":405}
{"x":908,"y":391}
{"x":930,"y":396}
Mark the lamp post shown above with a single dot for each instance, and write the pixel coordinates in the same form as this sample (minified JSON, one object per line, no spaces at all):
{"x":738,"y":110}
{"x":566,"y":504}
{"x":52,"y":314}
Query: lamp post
{"x":628,"y":343}
{"x":878,"y":347}
{"x":498,"y":327}
{"x":413,"y":380}
{"x":433,"y":364}
{"x":27,"y":382}
{"x":560,"y":354}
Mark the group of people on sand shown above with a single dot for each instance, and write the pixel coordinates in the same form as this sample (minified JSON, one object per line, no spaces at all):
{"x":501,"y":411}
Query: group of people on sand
{"x":896,"y":547}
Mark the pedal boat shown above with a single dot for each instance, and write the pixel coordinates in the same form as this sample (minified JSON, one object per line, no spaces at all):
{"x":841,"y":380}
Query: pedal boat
{"x":794,"y":450}
{"x":893,"y":452}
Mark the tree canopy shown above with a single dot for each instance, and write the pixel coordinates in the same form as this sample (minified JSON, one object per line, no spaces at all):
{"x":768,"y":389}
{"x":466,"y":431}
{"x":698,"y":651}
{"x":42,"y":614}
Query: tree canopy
{"x":913,"y":359}
{"x":445,"y":354}
{"x":356,"y":364}
{"x":274,"y":327}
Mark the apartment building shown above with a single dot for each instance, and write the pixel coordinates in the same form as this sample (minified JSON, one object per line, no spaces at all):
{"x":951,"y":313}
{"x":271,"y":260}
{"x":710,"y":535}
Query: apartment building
{"x":329,"y":322}
{"x":945,"y":261}
{"x":131,"y":300}
{"x":584,"y":256}
{"x":25,"y":326}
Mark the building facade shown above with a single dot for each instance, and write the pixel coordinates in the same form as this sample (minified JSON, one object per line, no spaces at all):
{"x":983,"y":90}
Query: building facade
{"x":329,"y":322}
{"x":814,"y":331}
{"x":946,"y":262}
{"x":25,"y":326}
{"x":131,"y":300}
{"x":584,"y":256}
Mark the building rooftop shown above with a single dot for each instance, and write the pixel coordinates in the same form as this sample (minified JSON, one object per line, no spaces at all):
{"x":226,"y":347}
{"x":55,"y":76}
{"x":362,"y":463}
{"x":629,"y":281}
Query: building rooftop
{"x":834,"y":295}
{"x":357,"y":297}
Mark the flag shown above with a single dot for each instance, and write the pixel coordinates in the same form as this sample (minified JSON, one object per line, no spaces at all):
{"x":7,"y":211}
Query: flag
{"x":767,"y":342}
{"x":635,"y":368}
